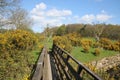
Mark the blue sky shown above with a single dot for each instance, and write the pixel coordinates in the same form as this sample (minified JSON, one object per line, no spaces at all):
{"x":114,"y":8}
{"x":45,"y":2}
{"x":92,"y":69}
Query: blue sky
{"x":57,"y":12}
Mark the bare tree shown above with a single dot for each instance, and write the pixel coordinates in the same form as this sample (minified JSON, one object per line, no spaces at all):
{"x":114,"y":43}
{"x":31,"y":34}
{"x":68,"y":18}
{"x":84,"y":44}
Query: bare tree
{"x":12,"y":16}
{"x":20,"y":19}
{"x":98,"y":30}
{"x":6,"y":7}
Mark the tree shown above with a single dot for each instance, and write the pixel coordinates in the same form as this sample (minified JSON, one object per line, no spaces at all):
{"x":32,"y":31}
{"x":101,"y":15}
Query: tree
{"x":98,"y":30}
{"x":6,"y":7}
{"x":20,"y":19}
{"x":83,"y":28}
{"x":61,"y":30}
{"x":12,"y":16}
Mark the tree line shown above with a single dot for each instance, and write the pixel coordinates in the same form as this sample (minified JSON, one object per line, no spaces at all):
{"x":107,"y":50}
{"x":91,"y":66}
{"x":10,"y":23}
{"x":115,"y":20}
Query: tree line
{"x":87,"y":30}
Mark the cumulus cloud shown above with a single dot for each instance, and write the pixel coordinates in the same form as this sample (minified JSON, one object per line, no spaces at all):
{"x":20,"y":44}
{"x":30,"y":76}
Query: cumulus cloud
{"x":88,"y":18}
{"x":58,"y":13}
{"x":101,"y":17}
{"x":41,"y":6}
{"x":43,"y":16}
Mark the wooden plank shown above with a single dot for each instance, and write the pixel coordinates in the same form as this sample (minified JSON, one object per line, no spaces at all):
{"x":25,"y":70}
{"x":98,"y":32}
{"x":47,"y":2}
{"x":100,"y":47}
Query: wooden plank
{"x":38,"y":74}
{"x":47,"y":68}
{"x":42,"y":71}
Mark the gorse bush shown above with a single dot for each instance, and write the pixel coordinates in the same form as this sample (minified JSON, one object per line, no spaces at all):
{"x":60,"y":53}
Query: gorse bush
{"x":74,"y":38}
{"x":116,"y":46}
{"x":21,"y":40}
{"x":86,"y":48}
{"x":109,"y":45}
{"x":17,"y":39}
{"x":63,"y":42}
{"x":86,"y":44}
{"x":15,"y":59}
{"x":97,"y":51}
{"x":106,"y":43}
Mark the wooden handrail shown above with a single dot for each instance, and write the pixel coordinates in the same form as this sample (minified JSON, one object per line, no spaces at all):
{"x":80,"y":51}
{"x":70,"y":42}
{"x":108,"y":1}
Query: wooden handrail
{"x":43,"y":68}
{"x":59,"y":52}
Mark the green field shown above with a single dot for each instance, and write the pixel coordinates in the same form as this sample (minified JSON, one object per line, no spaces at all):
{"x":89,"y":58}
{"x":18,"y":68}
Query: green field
{"x":78,"y":54}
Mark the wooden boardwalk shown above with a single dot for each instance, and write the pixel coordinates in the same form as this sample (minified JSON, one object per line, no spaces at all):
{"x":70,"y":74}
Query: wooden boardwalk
{"x":60,"y":65}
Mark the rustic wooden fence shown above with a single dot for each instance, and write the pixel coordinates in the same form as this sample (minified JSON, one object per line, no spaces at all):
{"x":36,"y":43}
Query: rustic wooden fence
{"x":60,"y":65}
{"x":69,"y":68}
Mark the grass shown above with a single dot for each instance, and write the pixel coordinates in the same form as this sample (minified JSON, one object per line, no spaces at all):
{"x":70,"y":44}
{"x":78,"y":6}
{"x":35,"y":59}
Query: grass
{"x":78,"y":54}
{"x":36,"y":52}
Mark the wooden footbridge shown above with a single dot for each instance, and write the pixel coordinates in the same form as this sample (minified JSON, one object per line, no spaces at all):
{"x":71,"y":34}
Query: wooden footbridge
{"x":58,"y":64}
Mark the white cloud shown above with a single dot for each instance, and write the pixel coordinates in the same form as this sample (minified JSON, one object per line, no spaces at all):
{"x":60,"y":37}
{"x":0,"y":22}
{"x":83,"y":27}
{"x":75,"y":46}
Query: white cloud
{"x":43,"y":16}
{"x":88,"y":18}
{"x":41,"y":6}
{"x":103,"y":17}
{"x":58,"y":13}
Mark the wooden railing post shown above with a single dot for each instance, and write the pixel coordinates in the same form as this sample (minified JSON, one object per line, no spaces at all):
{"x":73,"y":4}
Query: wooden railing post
{"x":67,"y":58}
{"x":79,"y":70}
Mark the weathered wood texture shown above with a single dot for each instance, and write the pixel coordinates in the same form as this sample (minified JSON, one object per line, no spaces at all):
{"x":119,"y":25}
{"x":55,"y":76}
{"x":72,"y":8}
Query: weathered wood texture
{"x":43,"y":68}
{"x":67,"y":71}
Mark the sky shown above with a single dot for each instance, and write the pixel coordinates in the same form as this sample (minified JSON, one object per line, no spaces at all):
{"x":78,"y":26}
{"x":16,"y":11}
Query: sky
{"x":57,"y":12}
